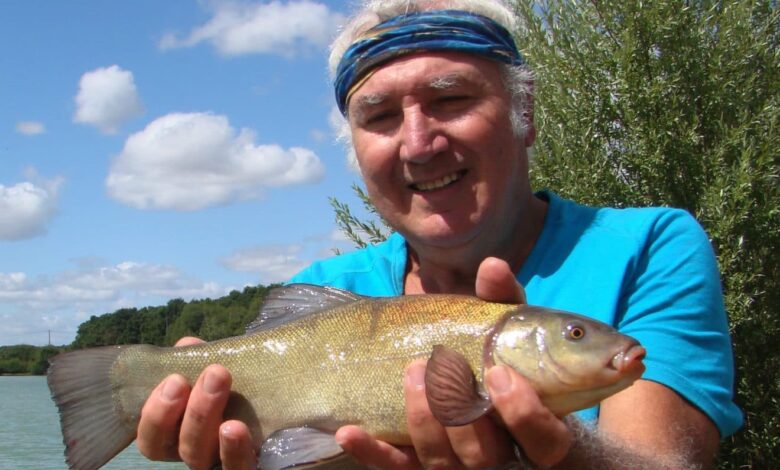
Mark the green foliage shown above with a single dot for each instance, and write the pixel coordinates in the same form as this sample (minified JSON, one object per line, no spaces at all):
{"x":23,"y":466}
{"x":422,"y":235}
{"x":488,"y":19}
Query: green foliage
{"x":26,"y":359}
{"x":164,"y":325}
{"x":678,"y":104}
{"x":360,"y":232}
{"x":42,"y":363}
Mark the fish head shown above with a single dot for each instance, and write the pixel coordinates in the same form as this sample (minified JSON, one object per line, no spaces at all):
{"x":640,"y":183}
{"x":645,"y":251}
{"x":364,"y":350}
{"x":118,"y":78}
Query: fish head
{"x":572,"y":361}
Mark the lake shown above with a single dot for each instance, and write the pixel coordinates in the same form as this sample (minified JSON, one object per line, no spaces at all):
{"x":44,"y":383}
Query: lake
{"x":30,"y":436}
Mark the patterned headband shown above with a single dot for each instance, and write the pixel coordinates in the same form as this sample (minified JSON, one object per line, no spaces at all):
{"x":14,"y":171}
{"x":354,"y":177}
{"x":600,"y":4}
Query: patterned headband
{"x":437,"y":30}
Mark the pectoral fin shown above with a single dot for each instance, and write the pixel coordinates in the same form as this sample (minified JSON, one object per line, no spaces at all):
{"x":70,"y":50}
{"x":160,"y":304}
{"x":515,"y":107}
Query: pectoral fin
{"x":298,"y":448}
{"x":451,"y":389}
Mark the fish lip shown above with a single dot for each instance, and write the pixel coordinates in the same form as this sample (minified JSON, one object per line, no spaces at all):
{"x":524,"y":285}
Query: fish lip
{"x":629,"y":360}
{"x":456,"y":175}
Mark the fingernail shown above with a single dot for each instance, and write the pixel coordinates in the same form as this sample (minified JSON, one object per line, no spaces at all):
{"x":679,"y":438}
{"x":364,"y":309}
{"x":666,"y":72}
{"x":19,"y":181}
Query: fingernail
{"x":498,"y":379}
{"x":415,"y":376}
{"x":213,"y":382}
{"x":225,"y":432}
{"x":173,"y":389}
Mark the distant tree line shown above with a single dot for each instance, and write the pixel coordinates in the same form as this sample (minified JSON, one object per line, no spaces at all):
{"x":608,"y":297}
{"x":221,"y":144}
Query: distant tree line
{"x":161,"y":326}
{"x":25,"y":359}
{"x":164,"y":325}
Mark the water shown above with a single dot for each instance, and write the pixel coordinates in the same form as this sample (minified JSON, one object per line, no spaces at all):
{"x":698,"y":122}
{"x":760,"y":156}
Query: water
{"x":30,"y":436}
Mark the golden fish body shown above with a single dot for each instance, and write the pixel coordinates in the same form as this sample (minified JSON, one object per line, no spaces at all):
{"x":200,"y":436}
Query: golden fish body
{"x":343,"y":367}
{"x":342,"y":364}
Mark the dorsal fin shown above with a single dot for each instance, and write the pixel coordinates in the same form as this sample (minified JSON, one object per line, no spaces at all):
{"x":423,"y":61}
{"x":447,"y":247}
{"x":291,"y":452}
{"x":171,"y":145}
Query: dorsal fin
{"x":293,"y":301}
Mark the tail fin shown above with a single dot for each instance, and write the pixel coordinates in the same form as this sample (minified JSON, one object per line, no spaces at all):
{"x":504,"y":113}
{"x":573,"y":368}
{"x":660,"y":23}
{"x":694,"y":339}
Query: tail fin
{"x":80,"y":385}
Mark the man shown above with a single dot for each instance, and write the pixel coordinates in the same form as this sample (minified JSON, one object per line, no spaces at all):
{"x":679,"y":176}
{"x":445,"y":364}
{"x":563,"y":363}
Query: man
{"x":439,"y":110}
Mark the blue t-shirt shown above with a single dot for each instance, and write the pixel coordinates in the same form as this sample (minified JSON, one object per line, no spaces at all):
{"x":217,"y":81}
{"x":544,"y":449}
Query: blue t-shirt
{"x":649,"y":272}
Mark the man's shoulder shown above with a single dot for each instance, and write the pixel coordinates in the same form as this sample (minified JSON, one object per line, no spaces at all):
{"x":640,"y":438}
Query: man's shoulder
{"x":635,"y":223}
{"x":373,"y":270}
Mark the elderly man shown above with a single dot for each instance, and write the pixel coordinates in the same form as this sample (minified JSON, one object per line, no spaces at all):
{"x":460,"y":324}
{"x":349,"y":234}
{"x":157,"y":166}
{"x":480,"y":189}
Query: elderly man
{"x":439,"y":108}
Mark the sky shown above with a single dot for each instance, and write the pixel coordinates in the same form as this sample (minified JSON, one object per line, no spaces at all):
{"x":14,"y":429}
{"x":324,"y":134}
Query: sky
{"x":155,"y":150}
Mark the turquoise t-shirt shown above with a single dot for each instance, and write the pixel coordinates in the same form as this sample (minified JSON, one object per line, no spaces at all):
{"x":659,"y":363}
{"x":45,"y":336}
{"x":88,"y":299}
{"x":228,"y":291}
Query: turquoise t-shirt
{"x":649,"y":272}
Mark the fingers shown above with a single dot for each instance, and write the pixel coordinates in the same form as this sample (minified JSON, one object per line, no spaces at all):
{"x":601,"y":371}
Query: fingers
{"x":235,"y":446}
{"x":188,"y":341}
{"x":544,"y":438}
{"x":428,"y":435}
{"x":480,"y":444}
{"x":374,"y":453}
{"x":198,"y":439}
{"x":179,"y":423}
{"x":496,"y":282}
{"x":158,"y":428}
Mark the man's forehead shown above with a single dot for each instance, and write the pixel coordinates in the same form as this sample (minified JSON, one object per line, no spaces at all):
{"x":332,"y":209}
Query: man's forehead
{"x":421,"y":73}
{"x":368,"y":98}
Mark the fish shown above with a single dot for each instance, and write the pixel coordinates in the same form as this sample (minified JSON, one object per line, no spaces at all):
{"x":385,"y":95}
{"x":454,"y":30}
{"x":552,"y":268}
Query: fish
{"x":318,"y":358}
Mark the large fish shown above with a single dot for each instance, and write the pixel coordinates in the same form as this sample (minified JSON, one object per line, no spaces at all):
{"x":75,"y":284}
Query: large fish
{"x":318,"y":358}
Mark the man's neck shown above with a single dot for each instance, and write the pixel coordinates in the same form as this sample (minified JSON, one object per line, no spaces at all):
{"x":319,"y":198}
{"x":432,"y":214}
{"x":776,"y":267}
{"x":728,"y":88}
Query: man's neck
{"x":455,"y":270}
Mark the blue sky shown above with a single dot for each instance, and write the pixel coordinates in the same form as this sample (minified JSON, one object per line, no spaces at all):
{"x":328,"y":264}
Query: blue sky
{"x":151,"y":150}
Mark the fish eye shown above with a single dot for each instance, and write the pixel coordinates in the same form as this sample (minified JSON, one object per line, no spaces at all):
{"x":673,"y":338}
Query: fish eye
{"x":575,"y":331}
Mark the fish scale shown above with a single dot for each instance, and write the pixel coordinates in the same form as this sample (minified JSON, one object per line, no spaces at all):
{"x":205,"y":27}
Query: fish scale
{"x":338,"y":359}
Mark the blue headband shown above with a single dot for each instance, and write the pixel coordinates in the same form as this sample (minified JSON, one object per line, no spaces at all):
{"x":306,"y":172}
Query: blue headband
{"x":437,"y":30}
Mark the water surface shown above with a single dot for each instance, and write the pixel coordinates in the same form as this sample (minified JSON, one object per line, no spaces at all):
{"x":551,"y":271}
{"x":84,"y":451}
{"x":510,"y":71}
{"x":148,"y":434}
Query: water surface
{"x":30,"y":436}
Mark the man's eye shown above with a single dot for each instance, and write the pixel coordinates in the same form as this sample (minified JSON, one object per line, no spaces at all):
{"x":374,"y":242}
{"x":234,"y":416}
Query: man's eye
{"x":453,"y":99}
{"x":379,"y":117}
{"x":453,"y":102}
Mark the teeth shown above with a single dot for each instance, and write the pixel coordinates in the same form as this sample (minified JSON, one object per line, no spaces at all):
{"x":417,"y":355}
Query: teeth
{"x":436,"y":184}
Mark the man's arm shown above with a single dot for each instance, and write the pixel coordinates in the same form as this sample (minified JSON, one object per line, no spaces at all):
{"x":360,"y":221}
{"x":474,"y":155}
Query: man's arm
{"x":665,"y":432}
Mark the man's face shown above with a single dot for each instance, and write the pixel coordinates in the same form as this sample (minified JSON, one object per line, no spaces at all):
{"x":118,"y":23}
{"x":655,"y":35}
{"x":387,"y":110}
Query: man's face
{"x":435,"y":145}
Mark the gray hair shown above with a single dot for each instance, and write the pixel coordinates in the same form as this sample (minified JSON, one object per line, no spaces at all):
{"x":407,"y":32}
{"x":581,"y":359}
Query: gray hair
{"x":517,"y":79}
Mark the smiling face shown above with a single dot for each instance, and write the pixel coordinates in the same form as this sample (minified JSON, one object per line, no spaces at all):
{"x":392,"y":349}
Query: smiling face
{"x":434,"y":141}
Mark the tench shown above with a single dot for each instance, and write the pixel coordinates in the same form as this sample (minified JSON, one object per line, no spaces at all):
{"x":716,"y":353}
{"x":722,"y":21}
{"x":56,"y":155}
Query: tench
{"x":318,"y":358}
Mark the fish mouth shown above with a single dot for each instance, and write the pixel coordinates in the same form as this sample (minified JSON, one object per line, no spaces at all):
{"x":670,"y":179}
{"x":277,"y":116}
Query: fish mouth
{"x":438,"y":183}
{"x":629,"y":361}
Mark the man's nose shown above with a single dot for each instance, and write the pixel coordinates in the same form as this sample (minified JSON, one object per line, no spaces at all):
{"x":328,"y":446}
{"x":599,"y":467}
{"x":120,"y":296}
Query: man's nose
{"x":421,"y":137}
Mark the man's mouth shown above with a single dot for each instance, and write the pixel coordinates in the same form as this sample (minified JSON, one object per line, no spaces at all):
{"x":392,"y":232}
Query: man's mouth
{"x":438,"y":183}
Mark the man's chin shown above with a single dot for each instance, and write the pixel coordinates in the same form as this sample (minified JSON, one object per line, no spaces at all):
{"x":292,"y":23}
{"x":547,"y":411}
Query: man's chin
{"x":439,"y":239}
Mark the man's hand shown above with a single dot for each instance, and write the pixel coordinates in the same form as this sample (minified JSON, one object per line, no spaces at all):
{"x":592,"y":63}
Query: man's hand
{"x":183,"y":423}
{"x":543,"y":437}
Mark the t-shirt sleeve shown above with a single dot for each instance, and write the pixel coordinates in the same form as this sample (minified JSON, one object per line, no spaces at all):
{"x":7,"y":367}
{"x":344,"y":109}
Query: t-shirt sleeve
{"x":376,"y":270}
{"x":674,"y":307}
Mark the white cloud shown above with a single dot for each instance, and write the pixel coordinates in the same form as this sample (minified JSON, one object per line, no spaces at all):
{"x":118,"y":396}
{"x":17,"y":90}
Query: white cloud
{"x":30,"y":127}
{"x":337,"y":235}
{"x":318,"y":135}
{"x":272,"y":263}
{"x":29,"y":307}
{"x":340,"y":128}
{"x":107,"y":98}
{"x":26,"y":208}
{"x":263,"y":28}
{"x":196,"y":160}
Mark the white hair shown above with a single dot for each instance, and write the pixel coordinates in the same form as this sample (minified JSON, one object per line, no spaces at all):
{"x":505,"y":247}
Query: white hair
{"x":517,"y":79}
